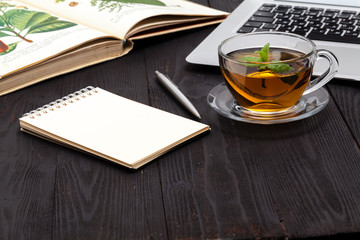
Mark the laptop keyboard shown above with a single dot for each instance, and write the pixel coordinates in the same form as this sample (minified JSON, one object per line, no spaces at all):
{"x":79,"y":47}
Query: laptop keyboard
{"x":314,"y":23}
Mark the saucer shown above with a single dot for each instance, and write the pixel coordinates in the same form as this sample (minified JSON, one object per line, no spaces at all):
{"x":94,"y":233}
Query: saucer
{"x":221,"y":100}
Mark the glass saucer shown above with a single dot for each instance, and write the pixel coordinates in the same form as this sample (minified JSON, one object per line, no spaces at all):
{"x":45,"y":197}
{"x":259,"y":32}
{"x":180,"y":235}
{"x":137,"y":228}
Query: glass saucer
{"x":221,"y":100}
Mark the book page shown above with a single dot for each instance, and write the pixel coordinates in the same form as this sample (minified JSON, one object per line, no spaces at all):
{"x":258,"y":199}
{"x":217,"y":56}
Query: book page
{"x":29,"y":36}
{"x":117,"y":17}
{"x":113,"y":127}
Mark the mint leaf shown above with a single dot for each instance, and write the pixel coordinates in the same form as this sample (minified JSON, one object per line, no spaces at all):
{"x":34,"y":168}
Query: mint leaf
{"x":279,"y":67}
{"x":250,"y":59}
{"x":264,"y":57}
{"x":264,"y":53}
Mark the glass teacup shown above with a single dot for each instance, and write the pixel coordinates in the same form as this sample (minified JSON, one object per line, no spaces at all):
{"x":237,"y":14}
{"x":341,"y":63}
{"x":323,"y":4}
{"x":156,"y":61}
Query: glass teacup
{"x":268,"y":72}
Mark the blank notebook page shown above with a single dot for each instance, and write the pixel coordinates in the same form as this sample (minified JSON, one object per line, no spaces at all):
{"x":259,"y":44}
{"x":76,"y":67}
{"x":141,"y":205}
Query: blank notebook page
{"x":113,"y":127}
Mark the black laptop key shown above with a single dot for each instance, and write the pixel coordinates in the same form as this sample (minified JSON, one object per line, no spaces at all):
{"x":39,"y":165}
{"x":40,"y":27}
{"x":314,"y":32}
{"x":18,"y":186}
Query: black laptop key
{"x":344,"y":15}
{"x":283,"y":22}
{"x":265,"y":9}
{"x":270,"y":26}
{"x":253,"y":24}
{"x":296,"y":12}
{"x":316,"y":10}
{"x":285,"y":6}
{"x":262,"y":19}
{"x":281,"y":10}
{"x":312,"y":13}
{"x":349,"y":12}
{"x":328,"y":14}
{"x":245,"y":30}
{"x":269,"y":5}
{"x":300,"y":8}
{"x":356,"y":17}
{"x":333,"y":10}
{"x":264,"y":14}
{"x":261,"y":30}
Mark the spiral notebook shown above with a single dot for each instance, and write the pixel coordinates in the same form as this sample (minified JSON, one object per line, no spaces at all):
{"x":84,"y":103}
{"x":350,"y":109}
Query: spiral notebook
{"x":110,"y":126}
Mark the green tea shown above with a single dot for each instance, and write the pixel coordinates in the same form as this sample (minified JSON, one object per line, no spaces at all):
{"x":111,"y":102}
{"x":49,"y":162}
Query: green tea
{"x":263,"y":90}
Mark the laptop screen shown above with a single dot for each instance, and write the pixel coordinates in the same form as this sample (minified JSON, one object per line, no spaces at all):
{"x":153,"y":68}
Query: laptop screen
{"x":348,"y":3}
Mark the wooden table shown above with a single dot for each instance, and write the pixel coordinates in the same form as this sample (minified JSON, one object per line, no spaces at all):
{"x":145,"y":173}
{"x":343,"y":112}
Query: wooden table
{"x":240,"y":181}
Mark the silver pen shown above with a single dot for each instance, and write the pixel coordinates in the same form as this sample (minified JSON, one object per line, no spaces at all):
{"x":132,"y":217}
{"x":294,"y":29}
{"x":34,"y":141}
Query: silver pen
{"x":174,"y":90}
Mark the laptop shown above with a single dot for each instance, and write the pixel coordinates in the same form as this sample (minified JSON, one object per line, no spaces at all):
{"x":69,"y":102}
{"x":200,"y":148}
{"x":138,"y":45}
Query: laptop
{"x":332,"y":24}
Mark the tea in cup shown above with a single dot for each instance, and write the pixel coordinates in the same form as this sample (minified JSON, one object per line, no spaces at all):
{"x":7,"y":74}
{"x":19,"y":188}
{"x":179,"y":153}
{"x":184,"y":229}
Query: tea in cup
{"x":268,"y":72}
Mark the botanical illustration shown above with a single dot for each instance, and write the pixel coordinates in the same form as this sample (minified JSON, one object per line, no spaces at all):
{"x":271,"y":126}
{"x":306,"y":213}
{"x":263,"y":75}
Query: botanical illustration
{"x":113,"y":5}
{"x":19,"y":23}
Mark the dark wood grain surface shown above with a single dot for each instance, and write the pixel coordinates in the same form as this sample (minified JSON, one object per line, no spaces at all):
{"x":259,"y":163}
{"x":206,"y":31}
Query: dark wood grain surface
{"x":240,"y":181}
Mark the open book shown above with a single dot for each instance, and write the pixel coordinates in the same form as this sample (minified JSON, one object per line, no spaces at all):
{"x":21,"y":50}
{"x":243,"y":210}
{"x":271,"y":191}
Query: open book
{"x":40,"y":39}
{"x":109,"y":126}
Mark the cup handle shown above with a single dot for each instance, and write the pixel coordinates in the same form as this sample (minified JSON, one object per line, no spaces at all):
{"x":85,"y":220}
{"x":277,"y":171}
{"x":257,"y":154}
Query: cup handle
{"x":320,"y":81}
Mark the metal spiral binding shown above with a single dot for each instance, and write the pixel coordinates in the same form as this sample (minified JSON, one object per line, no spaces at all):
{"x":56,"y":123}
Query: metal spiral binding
{"x":64,"y":101}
